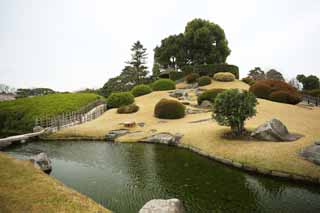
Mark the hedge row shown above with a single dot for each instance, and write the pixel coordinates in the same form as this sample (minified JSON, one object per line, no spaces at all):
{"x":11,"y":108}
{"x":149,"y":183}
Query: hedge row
{"x":211,"y":69}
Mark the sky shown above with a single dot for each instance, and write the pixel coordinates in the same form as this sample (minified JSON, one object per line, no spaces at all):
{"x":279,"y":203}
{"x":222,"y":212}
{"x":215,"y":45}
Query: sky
{"x":69,"y":45}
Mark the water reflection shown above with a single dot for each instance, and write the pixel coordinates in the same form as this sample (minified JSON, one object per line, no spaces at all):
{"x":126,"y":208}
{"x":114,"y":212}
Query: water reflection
{"x":125,"y":176}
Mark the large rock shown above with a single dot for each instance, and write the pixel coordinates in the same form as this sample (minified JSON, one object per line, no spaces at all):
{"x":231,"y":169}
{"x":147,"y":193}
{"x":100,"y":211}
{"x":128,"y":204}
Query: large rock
{"x":206,"y":104}
{"x":164,"y":138}
{"x":113,"y":134}
{"x":274,"y":130}
{"x":312,"y":153}
{"x":163,"y":206}
{"x":179,"y":93}
{"x":41,"y":161}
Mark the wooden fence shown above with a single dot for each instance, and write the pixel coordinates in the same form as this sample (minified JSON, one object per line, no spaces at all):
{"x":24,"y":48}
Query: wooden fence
{"x":311,"y":100}
{"x":64,"y":120}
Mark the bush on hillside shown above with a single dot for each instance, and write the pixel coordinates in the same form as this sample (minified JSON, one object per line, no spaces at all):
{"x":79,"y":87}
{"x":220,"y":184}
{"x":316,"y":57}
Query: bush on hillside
{"x":192,"y":78}
{"x":140,"y":90}
{"x":131,"y":108}
{"x":209,"y":95}
{"x":264,"y":89}
{"x":119,"y":99}
{"x":284,"y":96}
{"x":248,"y":80}
{"x":224,"y":76}
{"x":204,"y":80}
{"x":163,"y":84}
{"x":233,"y":107}
{"x":169,"y":109}
{"x":174,"y":75}
{"x":211,"y":69}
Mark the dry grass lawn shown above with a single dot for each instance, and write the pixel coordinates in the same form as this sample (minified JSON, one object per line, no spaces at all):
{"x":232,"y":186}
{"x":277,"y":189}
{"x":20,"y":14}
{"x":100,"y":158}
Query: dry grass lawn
{"x":26,"y":189}
{"x":207,"y":135}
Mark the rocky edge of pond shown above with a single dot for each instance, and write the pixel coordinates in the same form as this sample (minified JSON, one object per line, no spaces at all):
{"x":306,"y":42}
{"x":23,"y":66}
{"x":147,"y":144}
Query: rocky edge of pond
{"x":42,"y":162}
{"x":163,"y":206}
{"x":312,"y":153}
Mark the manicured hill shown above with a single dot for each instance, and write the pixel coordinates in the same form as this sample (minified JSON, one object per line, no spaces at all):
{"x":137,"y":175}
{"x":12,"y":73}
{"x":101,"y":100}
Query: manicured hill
{"x":18,"y":116}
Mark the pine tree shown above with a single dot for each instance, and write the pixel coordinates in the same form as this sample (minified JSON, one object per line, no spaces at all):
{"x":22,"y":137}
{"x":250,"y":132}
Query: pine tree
{"x":138,"y":61}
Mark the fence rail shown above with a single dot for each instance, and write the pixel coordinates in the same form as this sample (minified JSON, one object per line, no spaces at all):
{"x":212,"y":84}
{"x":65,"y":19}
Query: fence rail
{"x":311,"y":100}
{"x":64,"y":120}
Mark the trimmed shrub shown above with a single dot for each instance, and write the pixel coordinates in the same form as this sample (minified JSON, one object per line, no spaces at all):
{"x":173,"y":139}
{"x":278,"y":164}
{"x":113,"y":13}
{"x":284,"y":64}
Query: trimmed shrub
{"x":211,"y":69}
{"x":174,"y":75}
{"x":233,"y":107}
{"x":248,"y":80}
{"x":163,"y":84}
{"x":224,"y":76}
{"x":285,"y":97}
{"x":119,"y":99}
{"x":132,"y":108}
{"x":192,"y":78}
{"x":279,"y":90}
{"x":140,"y":90}
{"x":204,"y":80}
{"x":261,"y":90}
{"x":169,"y":109}
{"x":209,"y":95}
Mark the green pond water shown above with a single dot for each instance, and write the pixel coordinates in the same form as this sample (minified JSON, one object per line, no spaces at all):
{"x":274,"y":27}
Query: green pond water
{"x":123,"y":177}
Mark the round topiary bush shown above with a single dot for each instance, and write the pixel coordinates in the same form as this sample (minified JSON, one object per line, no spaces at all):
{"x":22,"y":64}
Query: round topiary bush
{"x":204,"y":80}
{"x":163,"y":84}
{"x":224,"y":76}
{"x":248,"y":80}
{"x":209,"y":95}
{"x":140,"y":90}
{"x":284,"y":96}
{"x":261,"y":90}
{"x":192,"y":78}
{"x":169,"y":109}
{"x":131,"y":108}
{"x":119,"y":99}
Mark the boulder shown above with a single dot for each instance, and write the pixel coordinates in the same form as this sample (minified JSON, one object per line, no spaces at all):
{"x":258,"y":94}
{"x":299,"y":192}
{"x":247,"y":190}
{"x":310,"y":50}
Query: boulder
{"x":317,"y":142}
{"x":37,"y":129}
{"x":113,"y":134}
{"x":312,"y":153}
{"x":206,"y":104}
{"x":42,"y":162}
{"x":163,"y":206}
{"x":164,"y":138}
{"x":274,"y":130}
{"x":178,"y":93}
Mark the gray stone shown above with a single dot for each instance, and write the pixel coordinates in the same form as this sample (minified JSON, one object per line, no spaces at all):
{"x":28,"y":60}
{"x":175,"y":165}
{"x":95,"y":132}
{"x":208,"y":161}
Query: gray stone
{"x":317,"y":142}
{"x":274,"y":130}
{"x":141,"y":124}
{"x":178,"y":93}
{"x":312,"y":153}
{"x":37,"y":129}
{"x":113,"y":134}
{"x":163,"y":206}
{"x":164,"y":138}
{"x":196,"y":111}
{"x":42,"y":162}
{"x":206,"y":104}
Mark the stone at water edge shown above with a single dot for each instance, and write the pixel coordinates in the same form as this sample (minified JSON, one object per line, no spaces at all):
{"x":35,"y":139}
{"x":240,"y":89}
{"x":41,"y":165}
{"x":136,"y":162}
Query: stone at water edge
{"x":274,"y":130}
{"x":42,"y":162}
{"x":163,"y":206}
{"x":164,"y":138}
{"x":113,"y":134}
{"x":311,"y":153}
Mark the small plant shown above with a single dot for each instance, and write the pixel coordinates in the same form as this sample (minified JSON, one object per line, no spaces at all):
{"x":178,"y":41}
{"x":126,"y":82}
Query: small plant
{"x":204,"y":80}
{"x":131,"y":108}
{"x":285,"y":97}
{"x":169,"y":109}
{"x":140,"y":90}
{"x":209,"y":95}
{"x":163,"y":84}
{"x":192,"y":78}
{"x":119,"y":99}
{"x":233,"y":107}
{"x":224,"y":76}
{"x":248,"y":80}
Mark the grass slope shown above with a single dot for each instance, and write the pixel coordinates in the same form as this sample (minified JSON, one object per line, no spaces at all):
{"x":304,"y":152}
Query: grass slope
{"x":26,"y":189}
{"x":18,"y":116}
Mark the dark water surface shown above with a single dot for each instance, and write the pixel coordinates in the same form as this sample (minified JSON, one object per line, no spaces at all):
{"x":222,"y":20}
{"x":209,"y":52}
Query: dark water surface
{"x":123,"y":177}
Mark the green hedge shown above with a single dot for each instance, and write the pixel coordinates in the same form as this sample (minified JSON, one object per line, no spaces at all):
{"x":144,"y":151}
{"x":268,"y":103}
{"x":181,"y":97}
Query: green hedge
{"x":192,"y":78}
{"x":119,"y":99}
{"x":204,"y":80}
{"x":132,"y":108}
{"x":163,"y":84}
{"x":174,"y":75}
{"x":211,"y":69}
{"x":169,"y":109}
{"x":140,"y":90}
{"x":209,"y":95}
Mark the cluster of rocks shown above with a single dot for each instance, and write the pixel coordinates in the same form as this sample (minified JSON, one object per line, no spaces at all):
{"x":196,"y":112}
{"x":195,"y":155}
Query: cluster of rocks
{"x":274,"y":130}
{"x":113,"y":134}
{"x":180,"y":94}
{"x":164,"y":138}
{"x":312,"y":153}
{"x":163,"y":206}
{"x":42,"y":162}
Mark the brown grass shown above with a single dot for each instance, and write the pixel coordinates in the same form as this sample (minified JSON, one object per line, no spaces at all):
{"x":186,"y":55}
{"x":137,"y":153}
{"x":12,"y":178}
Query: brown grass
{"x":26,"y":189}
{"x":207,"y":135}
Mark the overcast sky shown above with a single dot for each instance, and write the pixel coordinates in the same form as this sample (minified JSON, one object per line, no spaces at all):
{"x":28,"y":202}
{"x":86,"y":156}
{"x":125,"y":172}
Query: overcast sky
{"x":74,"y":44}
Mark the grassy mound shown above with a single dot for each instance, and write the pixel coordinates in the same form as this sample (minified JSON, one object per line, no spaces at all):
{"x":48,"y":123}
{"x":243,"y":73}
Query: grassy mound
{"x":19,"y":116}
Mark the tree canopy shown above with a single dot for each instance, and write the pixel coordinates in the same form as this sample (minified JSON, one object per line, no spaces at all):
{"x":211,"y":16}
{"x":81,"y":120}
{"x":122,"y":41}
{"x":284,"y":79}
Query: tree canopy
{"x":309,"y":82}
{"x":203,"y":42}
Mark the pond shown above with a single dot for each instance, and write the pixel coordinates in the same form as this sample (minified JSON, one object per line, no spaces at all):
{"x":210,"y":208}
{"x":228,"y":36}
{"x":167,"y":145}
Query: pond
{"x":123,"y":177}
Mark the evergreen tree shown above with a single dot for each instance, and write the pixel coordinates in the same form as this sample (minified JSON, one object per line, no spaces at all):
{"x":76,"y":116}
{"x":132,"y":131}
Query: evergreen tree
{"x":138,"y":61}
